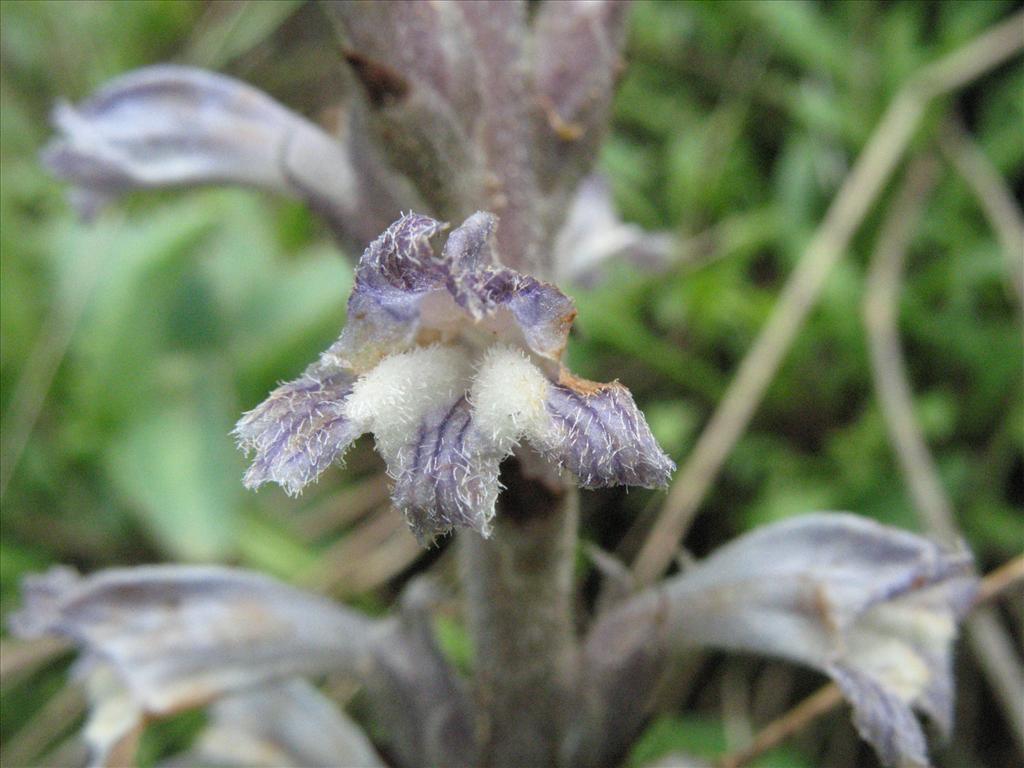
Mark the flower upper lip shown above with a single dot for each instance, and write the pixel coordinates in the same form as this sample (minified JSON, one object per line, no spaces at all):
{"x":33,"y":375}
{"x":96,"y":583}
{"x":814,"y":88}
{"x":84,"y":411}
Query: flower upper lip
{"x":405,"y":294}
{"x":451,"y":361}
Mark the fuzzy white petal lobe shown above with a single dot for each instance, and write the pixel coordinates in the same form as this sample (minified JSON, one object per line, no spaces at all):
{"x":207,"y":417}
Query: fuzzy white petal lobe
{"x":508,"y":395}
{"x":395,"y":397}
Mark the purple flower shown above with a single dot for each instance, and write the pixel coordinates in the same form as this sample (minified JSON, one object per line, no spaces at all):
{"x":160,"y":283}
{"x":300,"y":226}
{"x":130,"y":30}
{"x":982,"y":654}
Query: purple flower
{"x":873,"y":607}
{"x":173,"y":126}
{"x":451,"y":362}
{"x":156,"y":640}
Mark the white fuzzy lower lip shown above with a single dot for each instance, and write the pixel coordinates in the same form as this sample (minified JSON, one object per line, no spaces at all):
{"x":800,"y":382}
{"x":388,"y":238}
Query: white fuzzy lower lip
{"x":508,"y":396}
{"x":395,"y":396}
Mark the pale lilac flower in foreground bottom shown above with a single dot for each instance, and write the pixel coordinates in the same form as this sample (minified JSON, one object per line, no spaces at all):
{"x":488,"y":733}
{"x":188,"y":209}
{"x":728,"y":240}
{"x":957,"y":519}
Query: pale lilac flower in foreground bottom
{"x":873,"y":607}
{"x":451,"y":362}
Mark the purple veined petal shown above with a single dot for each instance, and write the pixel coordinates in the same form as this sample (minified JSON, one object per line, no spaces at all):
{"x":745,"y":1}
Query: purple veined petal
{"x":402,"y":257}
{"x":513,"y":307}
{"x":179,"y":636}
{"x":170,"y":126}
{"x":300,"y":429}
{"x":288,"y":723}
{"x":396,"y":273}
{"x":469,"y":247}
{"x":449,"y":478}
{"x":405,"y":294}
{"x":874,"y":607}
{"x":594,"y":234}
{"x":602,"y":437}
{"x":593,"y":430}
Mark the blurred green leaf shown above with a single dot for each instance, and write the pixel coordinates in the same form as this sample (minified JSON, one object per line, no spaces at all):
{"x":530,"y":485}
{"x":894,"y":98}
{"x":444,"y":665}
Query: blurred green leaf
{"x":178,"y":468}
{"x":455,"y":643}
{"x":231,"y":29}
{"x":699,"y":737}
{"x":267,"y":547}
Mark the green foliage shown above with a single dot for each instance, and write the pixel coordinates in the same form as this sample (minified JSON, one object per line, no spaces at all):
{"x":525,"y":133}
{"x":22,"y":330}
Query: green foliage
{"x":454,"y":643}
{"x":699,"y":737}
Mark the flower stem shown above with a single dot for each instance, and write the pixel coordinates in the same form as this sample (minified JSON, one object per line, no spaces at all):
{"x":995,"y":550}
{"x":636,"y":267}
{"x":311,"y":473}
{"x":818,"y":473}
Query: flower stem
{"x":518,"y":587}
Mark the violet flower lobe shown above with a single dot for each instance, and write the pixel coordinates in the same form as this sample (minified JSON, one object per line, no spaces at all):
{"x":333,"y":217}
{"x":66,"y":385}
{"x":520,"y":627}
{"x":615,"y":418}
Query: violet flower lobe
{"x":450,"y":361}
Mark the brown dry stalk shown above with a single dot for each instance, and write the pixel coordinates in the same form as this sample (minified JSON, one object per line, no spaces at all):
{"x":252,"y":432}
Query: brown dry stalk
{"x":822,"y":701}
{"x":994,"y":197}
{"x":1001,"y":579}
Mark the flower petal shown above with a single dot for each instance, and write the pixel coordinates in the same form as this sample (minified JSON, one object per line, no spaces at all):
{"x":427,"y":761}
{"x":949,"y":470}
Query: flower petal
{"x":115,"y":721}
{"x":415,"y":321}
{"x":414,"y":404}
{"x":179,"y":636}
{"x":874,"y":607}
{"x":594,"y":234}
{"x":882,"y":718}
{"x":603,"y":438}
{"x":170,"y":125}
{"x":593,"y":430}
{"x":451,"y":480}
{"x":405,"y":294}
{"x":285,"y":723}
{"x":469,"y":247}
{"x":300,"y":429}
{"x":395,"y":274}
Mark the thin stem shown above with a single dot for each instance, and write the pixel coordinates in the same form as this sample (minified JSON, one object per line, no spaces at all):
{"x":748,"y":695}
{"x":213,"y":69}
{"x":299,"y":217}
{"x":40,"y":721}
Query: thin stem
{"x":822,"y":701}
{"x":1001,"y":579}
{"x":991,"y":644}
{"x":518,"y":588}
{"x":888,"y":367}
{"x":48,"y":351}
{"x":54,"y":718}
{"x":20,"y":658}
{"x":866,"y":180}
{"x":994,"y":198}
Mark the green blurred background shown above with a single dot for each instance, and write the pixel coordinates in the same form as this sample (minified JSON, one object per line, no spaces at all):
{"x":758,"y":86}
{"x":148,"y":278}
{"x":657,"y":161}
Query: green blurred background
{"x":130,"y":347}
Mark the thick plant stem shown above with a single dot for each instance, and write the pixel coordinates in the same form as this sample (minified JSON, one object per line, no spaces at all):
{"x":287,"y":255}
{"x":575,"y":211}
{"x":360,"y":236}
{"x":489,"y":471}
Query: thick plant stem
{"x":518,"y":587}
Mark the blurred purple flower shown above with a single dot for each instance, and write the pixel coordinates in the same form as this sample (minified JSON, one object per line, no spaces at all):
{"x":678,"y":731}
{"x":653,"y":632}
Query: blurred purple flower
{"x":450,"y":362}
{"x":594,"y":235}
{"x":160,"y":639}
{"x":875,"y":608}
{"x":174,"y":126}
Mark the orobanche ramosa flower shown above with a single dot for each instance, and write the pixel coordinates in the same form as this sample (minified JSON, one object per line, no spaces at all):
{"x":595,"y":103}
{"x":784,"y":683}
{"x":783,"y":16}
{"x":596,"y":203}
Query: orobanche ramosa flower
{"x":452,"y":362}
